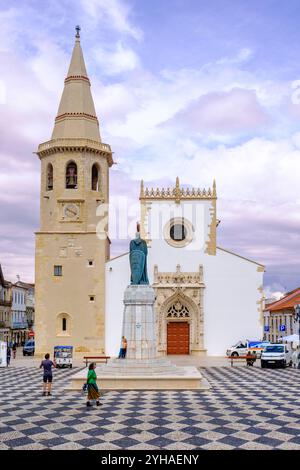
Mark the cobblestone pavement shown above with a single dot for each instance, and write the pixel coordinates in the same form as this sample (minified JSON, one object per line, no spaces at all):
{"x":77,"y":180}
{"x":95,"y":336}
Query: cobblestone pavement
{"x":246,"y":408}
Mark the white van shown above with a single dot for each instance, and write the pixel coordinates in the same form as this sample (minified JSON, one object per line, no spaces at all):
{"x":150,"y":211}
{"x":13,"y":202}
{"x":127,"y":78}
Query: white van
{"x":242,"y":347}
{"x":279,"y":355}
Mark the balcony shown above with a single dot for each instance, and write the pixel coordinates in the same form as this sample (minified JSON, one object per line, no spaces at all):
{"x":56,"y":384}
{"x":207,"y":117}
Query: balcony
{"x":5,"y":303}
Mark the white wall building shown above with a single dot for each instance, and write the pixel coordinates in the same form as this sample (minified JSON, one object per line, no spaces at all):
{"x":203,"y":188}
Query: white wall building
{"x":19,"y":323}
{"x":207,"y":298}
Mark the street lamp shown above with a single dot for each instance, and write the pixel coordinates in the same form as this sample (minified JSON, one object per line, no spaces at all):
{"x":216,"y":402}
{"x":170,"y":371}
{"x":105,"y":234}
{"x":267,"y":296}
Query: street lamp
{"x":297,"y":317}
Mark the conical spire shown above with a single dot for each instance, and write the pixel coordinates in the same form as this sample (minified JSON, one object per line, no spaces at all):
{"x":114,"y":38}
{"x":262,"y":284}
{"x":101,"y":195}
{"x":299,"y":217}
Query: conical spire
{"x":76,"y":117}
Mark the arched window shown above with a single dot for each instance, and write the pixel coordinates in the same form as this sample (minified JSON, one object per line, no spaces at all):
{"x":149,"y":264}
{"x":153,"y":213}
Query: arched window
{"x":71,"y":176}
{"x":64,"y":324}
{"x":49,"y":185}
{"x":95,"y":177}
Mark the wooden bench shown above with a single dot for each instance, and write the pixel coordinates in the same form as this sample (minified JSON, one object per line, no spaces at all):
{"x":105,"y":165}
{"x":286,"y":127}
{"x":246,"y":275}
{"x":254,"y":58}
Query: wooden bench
{"x":100,"y":359}
{"x":241,"y":358}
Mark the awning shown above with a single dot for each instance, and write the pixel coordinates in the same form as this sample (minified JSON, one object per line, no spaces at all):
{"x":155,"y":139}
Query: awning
{"x":290,"y":338}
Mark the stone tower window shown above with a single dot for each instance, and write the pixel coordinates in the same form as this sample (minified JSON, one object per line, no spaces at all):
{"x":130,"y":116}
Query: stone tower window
{"x":95,"y":177}
{"x":64,"y":324}
{"x":49,"y":185}
{"x":71,"y":176}
{"x":57,"y":270}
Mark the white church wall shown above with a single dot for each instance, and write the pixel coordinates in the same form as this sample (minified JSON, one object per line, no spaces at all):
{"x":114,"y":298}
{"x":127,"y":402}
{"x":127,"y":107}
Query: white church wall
{"x":159,"y":213}
{"x":230,"y":297}
{"x":231,"y":292}
{"x":230,"y":301}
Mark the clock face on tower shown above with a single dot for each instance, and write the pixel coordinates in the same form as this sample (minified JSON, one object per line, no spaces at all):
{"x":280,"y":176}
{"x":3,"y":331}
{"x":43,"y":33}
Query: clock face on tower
{"x":71,"y":211}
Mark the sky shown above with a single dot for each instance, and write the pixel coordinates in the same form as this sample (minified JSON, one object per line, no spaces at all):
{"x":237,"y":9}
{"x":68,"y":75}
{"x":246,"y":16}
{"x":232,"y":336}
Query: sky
{"x":192,"y":88}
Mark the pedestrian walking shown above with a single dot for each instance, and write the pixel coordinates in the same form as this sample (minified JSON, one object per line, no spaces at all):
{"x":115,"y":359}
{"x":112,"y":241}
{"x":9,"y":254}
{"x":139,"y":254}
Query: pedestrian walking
{"x":47,"y":365}
{"x":295,"y":357}
{"x":8,"y":355}
{"x":14,"y":350}
{"x":92,"y":387}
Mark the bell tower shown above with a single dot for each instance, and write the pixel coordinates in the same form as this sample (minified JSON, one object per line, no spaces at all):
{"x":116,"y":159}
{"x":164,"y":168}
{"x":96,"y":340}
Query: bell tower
{"x":72,"y":244}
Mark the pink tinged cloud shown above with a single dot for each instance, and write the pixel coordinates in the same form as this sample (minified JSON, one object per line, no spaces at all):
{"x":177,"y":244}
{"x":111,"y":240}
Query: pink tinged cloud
{"x":236,"y":110}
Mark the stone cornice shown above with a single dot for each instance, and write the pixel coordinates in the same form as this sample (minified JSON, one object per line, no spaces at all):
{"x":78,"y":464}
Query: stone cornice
{"x":177,"y":193}
{"x":178,"y":278}
{"x":61,"y":117}
{"x":70,"y":145}
{"x":76,"y":78}
{"x":62,"y":232}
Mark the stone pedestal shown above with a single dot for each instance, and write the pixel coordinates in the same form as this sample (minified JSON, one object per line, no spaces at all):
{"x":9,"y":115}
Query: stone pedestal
{"x":139,"y":322}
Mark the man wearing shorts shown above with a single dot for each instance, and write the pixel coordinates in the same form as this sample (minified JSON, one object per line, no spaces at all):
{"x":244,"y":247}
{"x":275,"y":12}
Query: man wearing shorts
{"x":47,"y":377}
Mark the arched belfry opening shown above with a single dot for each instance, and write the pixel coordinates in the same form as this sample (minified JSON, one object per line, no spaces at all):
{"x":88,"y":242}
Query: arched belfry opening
{"x":49,"y":183}
{"x":71,"y":175}
{"x":96,"y":178}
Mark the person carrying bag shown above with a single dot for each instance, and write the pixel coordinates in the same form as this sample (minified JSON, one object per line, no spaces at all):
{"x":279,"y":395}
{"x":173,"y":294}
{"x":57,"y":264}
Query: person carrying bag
{"x":92,"y":387}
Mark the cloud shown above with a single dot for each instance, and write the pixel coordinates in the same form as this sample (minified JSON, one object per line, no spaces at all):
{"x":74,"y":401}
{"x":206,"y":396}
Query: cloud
{"x":225,"y":119}
{"x":114,"y":62}
{"x":114,"y":13}
{"x":233,"y":111}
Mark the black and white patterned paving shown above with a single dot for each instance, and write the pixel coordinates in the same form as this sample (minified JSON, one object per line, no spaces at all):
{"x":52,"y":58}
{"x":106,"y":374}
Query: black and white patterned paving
{"x":246,"y":408}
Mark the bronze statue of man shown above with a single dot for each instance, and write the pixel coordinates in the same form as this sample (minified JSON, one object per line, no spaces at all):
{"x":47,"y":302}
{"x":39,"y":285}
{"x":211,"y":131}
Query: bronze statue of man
{"x":138,"y":259}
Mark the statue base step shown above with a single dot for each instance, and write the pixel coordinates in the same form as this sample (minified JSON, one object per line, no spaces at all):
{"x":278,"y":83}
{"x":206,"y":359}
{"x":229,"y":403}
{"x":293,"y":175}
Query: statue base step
{"x":157,"y":374}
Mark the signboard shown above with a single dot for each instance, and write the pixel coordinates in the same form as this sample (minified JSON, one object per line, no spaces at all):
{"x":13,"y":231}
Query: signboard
{"x":267,"y":328}
{"x":281,"y":327}
{"x":31,"y":334}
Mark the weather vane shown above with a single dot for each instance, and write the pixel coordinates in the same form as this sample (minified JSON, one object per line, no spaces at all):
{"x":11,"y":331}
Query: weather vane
{"x":77,"y":31}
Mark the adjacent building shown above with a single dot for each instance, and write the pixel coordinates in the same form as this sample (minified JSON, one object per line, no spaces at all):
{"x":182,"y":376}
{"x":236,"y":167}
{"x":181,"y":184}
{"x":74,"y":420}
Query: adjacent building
{"x":5,"y":307}
{"x":19,"y":325}
{"x":16,"y":310}
{"x":279,"y":316}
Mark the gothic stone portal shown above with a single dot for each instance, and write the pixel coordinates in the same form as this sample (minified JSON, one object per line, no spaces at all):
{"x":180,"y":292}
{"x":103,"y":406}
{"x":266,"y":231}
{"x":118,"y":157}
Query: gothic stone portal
{"x":179,"y":311}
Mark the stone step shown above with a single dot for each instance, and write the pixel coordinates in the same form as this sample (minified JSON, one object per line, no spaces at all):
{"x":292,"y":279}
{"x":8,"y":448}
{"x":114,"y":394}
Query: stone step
{"x":137,"y":369}
{"x":137,"y":366}
{"x":139,"y":373}
{"x":139,"y":361}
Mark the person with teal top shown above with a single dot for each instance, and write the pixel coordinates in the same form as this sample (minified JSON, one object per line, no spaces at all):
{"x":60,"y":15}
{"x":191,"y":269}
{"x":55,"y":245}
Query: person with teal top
{"x":92,"y":387}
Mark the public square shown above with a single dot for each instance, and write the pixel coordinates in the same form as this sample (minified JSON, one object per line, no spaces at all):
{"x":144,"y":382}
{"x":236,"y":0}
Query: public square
{"x":149,"y":235}
{"x":246,"y":408}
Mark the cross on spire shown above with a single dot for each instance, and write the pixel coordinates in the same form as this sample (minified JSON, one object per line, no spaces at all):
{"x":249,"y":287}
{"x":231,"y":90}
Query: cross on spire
{"x":77,"y":31}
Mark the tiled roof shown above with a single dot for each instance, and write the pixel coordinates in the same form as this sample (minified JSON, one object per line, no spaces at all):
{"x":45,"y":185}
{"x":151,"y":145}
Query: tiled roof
{"x":288,"y":301}
{"x":25,"y":285}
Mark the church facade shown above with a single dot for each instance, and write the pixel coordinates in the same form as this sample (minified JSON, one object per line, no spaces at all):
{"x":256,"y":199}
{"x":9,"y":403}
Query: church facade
{"x":206,"y":297}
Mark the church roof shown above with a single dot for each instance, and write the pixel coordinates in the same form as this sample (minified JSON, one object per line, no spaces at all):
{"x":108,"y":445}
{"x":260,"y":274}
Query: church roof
{"x":287,"y":302}
{"x":242,"y":257}
{"x":76,"y":117}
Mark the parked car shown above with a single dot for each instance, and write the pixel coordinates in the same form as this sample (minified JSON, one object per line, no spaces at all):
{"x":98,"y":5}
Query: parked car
{"x":28,"y":348}
{"x":241,"y":348}
{"x":279,"y":355}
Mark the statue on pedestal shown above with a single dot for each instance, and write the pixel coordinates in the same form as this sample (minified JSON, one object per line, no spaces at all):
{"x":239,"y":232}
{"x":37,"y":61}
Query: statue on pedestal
{"x":138,"y":260}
